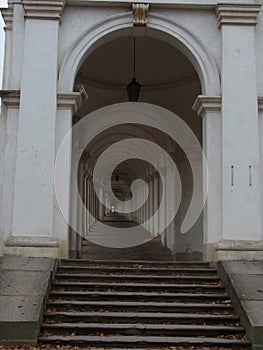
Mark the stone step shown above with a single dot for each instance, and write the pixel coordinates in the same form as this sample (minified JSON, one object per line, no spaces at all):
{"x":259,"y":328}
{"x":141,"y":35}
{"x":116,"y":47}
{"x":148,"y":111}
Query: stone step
{"x":137,"y":270}
{"x":140,"y":329}
{"x":145,"y":287}
{"x":138,"y":296}
{"x":141,"y":317}
{"x":133,"y":263}
{"x":137,"y":278}
{"x":120,"y":341}
{"x":139,"y":306}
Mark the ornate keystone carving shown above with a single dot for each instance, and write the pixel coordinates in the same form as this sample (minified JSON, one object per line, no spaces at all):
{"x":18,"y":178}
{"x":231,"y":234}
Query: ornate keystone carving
{"x":207,"y":104}
{"x":237,"y":14}
{"x":140,"y":14}
{"x":7,"y":14}
{"x":43,"y":9}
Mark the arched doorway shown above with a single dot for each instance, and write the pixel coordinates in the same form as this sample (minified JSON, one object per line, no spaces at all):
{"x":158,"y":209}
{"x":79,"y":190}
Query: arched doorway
{"x":180,"y":71}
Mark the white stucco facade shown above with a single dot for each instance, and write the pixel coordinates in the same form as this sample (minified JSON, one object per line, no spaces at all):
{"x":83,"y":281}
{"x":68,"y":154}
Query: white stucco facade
{"x":217,"y":89}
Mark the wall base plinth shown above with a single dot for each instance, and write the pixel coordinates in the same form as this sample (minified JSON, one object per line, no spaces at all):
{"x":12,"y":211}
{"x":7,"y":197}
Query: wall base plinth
{"x":34,"y":246}
{"x":239,"y":250}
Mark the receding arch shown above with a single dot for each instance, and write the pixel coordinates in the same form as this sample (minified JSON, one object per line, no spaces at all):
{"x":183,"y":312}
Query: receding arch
{"x":159,"y":27}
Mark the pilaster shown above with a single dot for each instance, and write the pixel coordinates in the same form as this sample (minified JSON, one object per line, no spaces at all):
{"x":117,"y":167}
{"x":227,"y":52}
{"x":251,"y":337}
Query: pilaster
{"x":209,"y":109}
{"x":241,"y":201}
{"x":33,"y":211}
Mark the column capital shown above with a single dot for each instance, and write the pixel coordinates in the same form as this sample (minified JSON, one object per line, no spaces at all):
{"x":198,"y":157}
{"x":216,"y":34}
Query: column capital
{"x":43,"y":9}
{"x":11,"y":98}
{"x":69,"y":100}
{"x":7,"y":14}
{"x":205,"y":104}
{"x":260,"y":103}
{"x":237,"y":14}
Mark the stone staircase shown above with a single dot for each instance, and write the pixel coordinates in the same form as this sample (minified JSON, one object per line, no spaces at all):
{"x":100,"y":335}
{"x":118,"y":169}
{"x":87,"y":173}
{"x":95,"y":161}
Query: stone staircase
{"x":140,"y":305}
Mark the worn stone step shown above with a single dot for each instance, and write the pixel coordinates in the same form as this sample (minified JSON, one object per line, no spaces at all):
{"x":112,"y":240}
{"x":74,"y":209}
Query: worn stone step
{"x":145,"y":341}
{"x":139,"y":306}
{"x":141,"y":317}
{"x":138,"y":278}
{"x":140,"y":329}
{"x":137,"y":270}
{"x":138,"y":296}
{"x":102,"y":286}
{"x":134,"y":263}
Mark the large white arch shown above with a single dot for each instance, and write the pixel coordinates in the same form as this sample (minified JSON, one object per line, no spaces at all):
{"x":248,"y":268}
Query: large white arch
{"x":159,"y":27}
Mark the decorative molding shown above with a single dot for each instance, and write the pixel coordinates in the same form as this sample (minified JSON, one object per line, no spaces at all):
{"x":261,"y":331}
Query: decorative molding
{"x":68,"y":100}
{"x":205,"y":104}
{"x":31,"y":241}
{"x":7,"y":14}
{"x":11,"y":98}
{"x":196,"y":52}
{"x":260,"y":104}
{"x":237,"y":14}
{"x":140,"y":14}
{"x":43,"y":9}
{"x":234,"y":245}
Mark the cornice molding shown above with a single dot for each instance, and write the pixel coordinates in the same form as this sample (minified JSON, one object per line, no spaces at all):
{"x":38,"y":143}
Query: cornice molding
{"x":205,"y":104}
{"x":260,"y":104}
{"x":70,"y":100}
{"x":7,"y":14}
{"x":11,"y":98}
{"x":237,"y":14}
{"x":43,"y":9}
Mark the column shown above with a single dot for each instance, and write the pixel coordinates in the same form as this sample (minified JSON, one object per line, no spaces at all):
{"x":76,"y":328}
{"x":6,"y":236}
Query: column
{"x":209,"y":109}
{"x":8,"y":125}
{"x":14,"y":36}
{"x":67,"y":104}
{"x":34,"y":187}
{"x":156,"y":201}
{"x":240,"y":133}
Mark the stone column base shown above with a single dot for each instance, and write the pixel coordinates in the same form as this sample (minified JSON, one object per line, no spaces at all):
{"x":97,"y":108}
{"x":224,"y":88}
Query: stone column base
{"x":34,"y":246}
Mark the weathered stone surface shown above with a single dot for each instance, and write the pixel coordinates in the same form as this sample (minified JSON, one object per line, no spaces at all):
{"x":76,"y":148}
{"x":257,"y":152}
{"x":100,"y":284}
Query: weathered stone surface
{"x":23,"y":282}
{"x":244,"y":282}
{"x":30,"y":264}
{"x":24,"y":285}
{"x":246,"y":267}
{"x":247,"y":286}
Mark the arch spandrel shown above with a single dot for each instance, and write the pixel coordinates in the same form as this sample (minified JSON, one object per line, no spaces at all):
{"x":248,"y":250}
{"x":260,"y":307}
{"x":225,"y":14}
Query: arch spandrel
{"x":159,"y":27}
